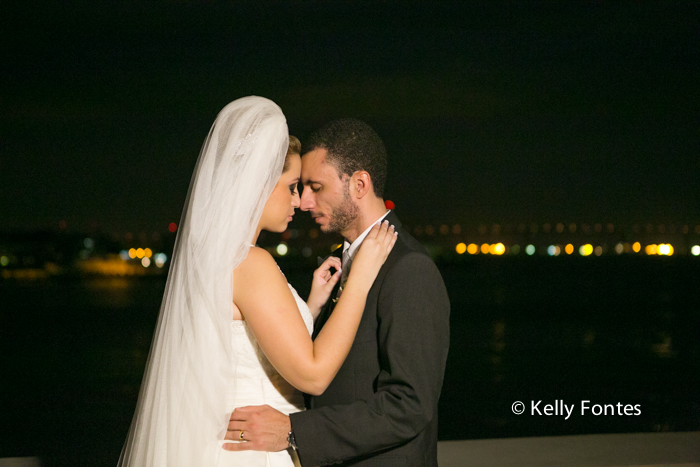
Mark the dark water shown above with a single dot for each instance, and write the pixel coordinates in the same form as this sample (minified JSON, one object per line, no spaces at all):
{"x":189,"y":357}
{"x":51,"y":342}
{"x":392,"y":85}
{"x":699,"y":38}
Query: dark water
{"x":607,"y":330}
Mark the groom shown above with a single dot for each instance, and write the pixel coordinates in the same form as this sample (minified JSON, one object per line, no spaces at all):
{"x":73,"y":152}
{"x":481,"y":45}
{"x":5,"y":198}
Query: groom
{"x":381,"y":408}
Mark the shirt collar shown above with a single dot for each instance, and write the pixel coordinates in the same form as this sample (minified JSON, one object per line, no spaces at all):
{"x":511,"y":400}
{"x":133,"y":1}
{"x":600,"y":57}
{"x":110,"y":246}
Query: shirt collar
{"x":351,"y":248}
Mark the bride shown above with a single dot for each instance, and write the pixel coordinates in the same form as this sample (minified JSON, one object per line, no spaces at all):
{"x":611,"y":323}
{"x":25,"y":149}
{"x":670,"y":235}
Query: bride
{"x":231,"y":331}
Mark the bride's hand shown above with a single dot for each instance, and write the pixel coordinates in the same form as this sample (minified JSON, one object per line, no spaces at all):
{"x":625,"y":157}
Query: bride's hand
{"x":372,"y":254}
{"x":323,"y":283}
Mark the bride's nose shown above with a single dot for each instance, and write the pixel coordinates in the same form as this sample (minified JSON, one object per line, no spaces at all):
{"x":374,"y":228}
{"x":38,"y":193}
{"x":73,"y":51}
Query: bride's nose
{"x":296,"y":200}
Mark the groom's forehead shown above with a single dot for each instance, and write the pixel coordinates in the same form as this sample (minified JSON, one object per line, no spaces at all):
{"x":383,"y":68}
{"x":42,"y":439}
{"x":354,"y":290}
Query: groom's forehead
{"x":315,"y":166}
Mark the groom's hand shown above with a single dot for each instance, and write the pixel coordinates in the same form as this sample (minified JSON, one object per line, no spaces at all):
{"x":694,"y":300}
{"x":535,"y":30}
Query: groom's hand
{"x":264,"y":429}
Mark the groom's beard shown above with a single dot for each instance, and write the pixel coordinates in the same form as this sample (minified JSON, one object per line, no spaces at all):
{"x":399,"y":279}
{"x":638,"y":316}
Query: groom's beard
{"x":342,"y":216}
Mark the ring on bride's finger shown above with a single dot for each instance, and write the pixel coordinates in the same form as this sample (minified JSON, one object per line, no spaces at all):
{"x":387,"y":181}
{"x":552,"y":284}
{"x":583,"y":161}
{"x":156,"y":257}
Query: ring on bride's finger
{"x":240,"y":435}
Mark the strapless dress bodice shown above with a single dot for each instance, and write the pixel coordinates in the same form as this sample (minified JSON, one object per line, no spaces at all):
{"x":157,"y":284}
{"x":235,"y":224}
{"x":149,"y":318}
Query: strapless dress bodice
{"x":257,"y":382}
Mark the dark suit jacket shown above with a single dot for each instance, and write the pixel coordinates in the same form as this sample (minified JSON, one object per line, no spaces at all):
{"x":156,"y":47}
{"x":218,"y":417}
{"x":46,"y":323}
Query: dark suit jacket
{"x":381,"y":408}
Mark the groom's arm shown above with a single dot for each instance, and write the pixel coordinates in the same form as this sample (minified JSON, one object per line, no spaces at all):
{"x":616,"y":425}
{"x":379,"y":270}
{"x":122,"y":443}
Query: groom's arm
{"x":413,"y":313}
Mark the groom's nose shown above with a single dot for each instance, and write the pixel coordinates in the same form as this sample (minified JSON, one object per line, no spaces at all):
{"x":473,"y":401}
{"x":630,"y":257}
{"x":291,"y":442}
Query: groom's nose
{"x":307,"y":200}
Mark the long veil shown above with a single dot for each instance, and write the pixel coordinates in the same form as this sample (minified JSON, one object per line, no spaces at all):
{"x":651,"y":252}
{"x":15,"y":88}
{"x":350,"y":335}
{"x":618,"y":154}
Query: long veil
{"x":181,"y":412}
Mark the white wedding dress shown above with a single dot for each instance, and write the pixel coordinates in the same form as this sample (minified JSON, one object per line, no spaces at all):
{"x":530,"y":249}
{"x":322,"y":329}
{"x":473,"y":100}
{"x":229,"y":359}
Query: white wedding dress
{"x":200,"y":365}
{"x":258,"y":383}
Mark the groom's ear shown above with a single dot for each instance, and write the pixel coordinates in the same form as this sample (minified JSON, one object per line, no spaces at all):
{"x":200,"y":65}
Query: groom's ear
{"x":361,"y":184}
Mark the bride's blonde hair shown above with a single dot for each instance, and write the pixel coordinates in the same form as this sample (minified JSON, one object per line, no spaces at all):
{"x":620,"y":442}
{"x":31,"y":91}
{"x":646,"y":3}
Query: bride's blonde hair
{"x":294,"y":148}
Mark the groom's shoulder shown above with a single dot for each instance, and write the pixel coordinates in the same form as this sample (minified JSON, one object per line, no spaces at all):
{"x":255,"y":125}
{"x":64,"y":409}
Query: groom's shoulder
{"x":408,"y":254}
{"x":410,"y":270}
{"x":405,"y":243}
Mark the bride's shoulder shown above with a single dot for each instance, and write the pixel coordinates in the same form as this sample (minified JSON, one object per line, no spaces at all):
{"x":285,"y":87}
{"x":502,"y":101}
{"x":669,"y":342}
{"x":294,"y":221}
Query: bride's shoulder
{"x":258,"y":261}
{"x":257,"y":276}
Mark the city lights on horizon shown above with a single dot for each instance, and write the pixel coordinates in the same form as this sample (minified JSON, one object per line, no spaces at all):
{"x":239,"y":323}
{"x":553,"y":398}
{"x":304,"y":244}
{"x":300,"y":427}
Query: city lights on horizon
{"x":498,"y":249}
{"x":525,"y":239}
{"x":144,"y":255}
{"x":449,"y":229}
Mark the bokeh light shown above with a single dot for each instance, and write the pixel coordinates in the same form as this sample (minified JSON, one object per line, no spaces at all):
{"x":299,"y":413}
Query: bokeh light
{"x":485,"y":248}
{"x":172,"y":227}
{"x":160,"y":259}
{"x":586,"y":250}
{"x":282,"y":249}
{"x":619,"y":248}
{"x":4,"y":260}
{"x":664,"y":249}
{"x":553,"y":250}
{"x":147,"y":253}
{"x":636,"y":247}
{"x":140,"y":253}
{"x":598,"y":250}
{"x":124,"y":255}
{"x":515,"y":249}
{"x":461,"y":248}
{"x":530,"y":250}
{"x":499,"y":249}
{"x":569,"y":249}
{"x":389,"y":204}
{"x":132,"y":253}
{"x":473,"y":248}
{"x":695,"y":250}
{"x":145,"y":262}
{"x":650,"y":249}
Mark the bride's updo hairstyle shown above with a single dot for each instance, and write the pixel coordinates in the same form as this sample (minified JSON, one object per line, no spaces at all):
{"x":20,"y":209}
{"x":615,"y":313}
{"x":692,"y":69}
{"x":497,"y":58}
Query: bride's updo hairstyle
{"x":181,"y":412}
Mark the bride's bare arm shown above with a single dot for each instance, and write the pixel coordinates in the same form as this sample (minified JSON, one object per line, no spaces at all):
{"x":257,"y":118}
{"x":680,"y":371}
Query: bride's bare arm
{"x":262,"y":295}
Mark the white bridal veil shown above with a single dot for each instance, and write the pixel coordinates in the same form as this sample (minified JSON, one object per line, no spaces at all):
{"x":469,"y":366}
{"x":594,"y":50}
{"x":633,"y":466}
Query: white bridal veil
{"x":181,"y":412}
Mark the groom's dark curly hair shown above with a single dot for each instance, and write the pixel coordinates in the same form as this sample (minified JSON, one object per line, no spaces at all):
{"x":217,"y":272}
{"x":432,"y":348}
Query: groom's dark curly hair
{"x":352,"y":145}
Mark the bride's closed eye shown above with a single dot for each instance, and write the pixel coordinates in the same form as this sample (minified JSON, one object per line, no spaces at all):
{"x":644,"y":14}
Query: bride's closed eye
{"x":293,"y":188}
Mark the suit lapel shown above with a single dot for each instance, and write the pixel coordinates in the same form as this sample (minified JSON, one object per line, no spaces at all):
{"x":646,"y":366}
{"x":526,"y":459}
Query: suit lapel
{"x":330,"y":304}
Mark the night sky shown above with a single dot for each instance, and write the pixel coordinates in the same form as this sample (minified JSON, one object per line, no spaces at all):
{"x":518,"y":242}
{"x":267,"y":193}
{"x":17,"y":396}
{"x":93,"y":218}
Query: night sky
{"x":491,"y":112}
